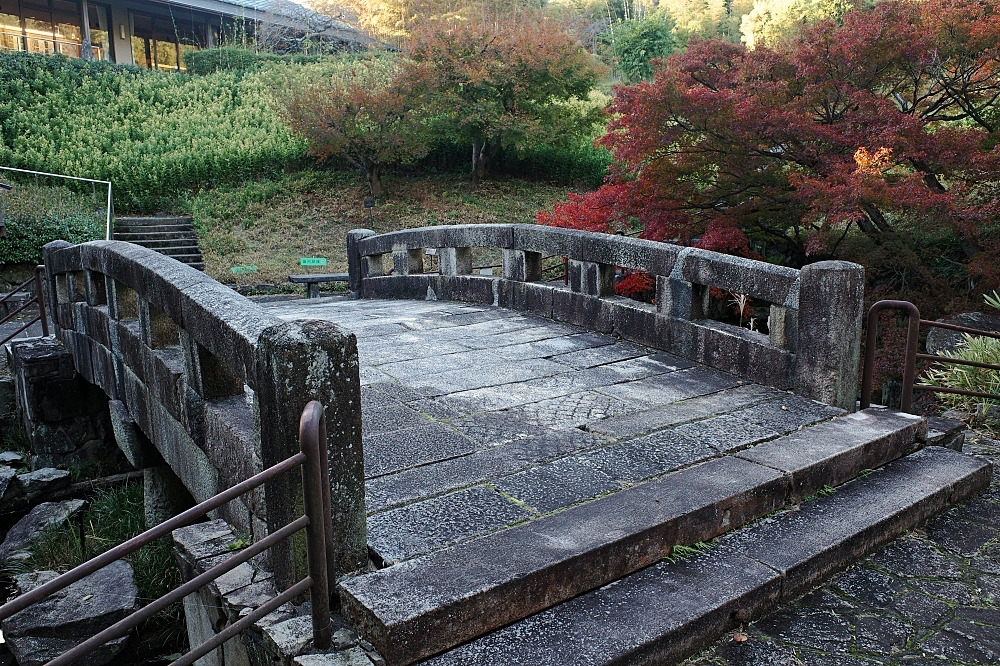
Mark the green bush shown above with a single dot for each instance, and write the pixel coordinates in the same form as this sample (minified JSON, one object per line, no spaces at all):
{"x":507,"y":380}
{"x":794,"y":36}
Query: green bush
{"x":151,"y":133}
{"x":238,"y":60}
{"x":979,"y":349}
{"x":35,"y":216}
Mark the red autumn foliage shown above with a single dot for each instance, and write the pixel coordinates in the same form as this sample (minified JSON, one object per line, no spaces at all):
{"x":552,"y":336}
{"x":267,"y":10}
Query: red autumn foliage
{"x":636,"y":284}
{"x":882,"y":129}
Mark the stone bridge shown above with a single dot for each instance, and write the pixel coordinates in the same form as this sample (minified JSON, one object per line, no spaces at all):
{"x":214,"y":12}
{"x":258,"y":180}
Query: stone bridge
{"x":523,"y":472}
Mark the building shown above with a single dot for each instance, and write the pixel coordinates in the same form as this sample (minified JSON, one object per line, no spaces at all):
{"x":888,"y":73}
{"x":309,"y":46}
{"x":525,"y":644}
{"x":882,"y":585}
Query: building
{"x":157,"y":33}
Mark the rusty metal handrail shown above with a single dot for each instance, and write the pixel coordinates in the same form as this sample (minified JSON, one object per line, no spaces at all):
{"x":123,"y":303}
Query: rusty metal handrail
{"x":911,"y":355}
{"x":317,"y":521}
{"x":38,"y":299}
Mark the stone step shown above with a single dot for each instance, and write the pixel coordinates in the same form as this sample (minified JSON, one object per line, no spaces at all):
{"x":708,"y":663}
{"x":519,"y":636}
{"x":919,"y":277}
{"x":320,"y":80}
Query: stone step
{"x":421,"y":607}
{"x":669,"y":611}
{"x":185,"y":243}
{"x":152,"y":221}
{"x":178,"y":251}
{"x":157,"y":233}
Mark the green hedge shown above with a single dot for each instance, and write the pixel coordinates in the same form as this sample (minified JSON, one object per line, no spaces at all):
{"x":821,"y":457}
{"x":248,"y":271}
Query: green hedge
{"x":238,"y":60}
{"x":35,"y":216}
{"x":151,"y":133}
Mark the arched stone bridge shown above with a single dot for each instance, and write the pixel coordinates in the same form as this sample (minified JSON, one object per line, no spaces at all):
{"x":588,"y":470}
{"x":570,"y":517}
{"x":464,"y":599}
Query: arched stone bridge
{"x":503,"y":449}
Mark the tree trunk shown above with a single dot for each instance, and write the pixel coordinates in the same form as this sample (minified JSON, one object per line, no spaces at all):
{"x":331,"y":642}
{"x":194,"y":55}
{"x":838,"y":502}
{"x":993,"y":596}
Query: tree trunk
{"x":374,"y":174}
{"x":482,"y":153}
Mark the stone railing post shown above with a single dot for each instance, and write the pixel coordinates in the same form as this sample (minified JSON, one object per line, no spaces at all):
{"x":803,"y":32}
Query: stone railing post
{"x":408,"y":261}
{"x":296,"y":362}
{"x":591,"y":279}
{"x":354,"y":263}
{"x":831,"y":304}
{"x":522,"y":266}
{"x":455,"y":260}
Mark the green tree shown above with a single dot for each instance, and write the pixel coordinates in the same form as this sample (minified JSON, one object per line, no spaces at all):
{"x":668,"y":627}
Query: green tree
{"x":634,"y":43}
{"x":774,"y":21}
{"x":362,"y":111}
{"x":518,"y":85}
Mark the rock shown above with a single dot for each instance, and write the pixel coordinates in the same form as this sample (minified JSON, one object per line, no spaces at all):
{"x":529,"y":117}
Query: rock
{"x":9,"y":488}
{"x":29,"y":529}
{"x":941,"y":339}
{"x":67,"y":618}
{"x":11,"y":458}
{"x":43,"y":481}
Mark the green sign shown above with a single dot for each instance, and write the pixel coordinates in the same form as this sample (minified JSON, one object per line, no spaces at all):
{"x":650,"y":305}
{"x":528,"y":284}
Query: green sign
{"x":243,"y":269}
{"x":312,"y":261}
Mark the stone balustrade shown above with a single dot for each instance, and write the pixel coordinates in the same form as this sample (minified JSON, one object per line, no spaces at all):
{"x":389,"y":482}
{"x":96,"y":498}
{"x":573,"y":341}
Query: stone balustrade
{"x":812,"y":347}
{"x":215,"y":383}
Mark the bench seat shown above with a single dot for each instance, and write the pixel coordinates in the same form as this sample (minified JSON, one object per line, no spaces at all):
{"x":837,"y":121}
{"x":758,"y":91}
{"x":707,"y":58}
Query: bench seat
{"x":313,"y":280}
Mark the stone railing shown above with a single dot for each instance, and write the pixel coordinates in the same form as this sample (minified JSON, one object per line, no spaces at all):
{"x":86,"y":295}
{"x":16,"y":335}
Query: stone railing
{"x":813,"y":343}
{"x":215,"y":383}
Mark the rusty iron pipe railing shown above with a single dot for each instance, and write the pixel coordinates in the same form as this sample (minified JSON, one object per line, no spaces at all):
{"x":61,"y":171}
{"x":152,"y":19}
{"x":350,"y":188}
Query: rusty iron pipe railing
{"x":317,"y":521}
{"x":38,"y":298}
{"x":911,"y":356}
{"x":909,"y":367}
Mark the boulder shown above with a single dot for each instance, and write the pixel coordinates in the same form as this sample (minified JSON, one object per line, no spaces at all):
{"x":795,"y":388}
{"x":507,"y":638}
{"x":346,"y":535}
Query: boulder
{"x":49,"y":628}
{"x":9,"y":488}
{"x":942,"y":339}
{"x":11,"y":458}
{"x":29,"y":529}
{"x":43,"y":481}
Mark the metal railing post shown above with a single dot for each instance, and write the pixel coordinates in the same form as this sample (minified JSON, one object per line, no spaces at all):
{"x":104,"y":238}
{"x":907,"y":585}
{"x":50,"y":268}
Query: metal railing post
{"x":311,"y":427}
{"x":910,"y":361}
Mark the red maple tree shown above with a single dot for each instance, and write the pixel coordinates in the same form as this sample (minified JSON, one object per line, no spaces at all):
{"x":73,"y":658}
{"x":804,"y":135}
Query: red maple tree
{"x":880,"y":126}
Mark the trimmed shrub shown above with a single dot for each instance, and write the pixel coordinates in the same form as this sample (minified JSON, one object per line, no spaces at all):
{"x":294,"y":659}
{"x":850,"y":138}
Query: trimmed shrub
{"x":35,"y":216}
{"x":151,"y":133}
{"x":238,"y":60}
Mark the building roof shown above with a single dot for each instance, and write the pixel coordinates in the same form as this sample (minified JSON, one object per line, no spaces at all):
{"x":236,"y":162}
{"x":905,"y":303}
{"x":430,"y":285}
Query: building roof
{"x":281,"y":12}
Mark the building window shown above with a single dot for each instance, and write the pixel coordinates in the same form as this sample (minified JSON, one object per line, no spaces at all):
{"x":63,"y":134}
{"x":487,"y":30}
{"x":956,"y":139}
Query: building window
{"x":52,"y":26}
{"x":11,"y":34}
{"x":160,"y":43}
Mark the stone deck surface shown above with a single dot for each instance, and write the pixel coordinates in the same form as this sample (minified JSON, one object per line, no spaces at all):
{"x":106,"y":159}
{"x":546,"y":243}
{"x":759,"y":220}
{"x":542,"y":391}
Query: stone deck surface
{"x":477,"y":418}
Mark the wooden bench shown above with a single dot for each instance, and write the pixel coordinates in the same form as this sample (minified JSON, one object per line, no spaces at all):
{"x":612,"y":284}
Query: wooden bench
{"x":312,"y":281}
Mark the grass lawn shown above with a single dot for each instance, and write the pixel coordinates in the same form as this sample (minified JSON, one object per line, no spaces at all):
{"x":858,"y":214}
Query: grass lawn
{"x":272,"y":224}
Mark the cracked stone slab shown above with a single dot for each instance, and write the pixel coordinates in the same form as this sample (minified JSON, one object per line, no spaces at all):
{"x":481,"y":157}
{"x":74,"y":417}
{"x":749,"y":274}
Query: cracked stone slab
{"x":419,"y":528}
{"x":556,"y":485}
{"x":401,"y":449}
{"x":428,"y":480}
{"x":645,"y":457}
{"x":574,"y":410}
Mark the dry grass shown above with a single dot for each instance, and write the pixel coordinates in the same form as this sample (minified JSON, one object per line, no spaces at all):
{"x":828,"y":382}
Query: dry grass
{"x":272,"y":224}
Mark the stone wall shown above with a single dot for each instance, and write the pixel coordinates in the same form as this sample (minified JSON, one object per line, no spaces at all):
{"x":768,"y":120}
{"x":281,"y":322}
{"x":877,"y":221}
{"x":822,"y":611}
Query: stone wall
{"x":65,"y":417}
{"x":812,"y":347}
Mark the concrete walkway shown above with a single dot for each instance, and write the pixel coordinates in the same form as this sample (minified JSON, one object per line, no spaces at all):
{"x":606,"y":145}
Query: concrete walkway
{"x":476,"y":418}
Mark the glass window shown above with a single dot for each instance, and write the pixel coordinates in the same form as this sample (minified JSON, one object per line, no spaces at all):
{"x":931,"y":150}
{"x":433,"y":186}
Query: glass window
{"x":141,"y":54}
{"x":38,"y":27}
{"x":166,"y":55}
{"x":11,"y":38}
{"x":100,"y":37}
